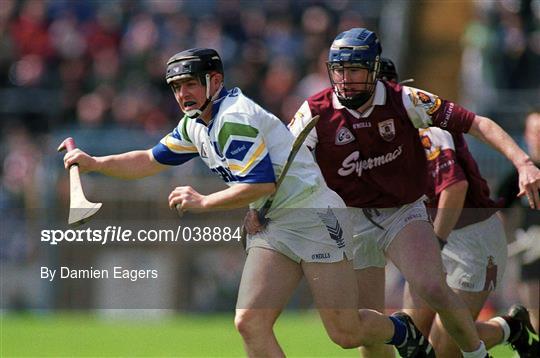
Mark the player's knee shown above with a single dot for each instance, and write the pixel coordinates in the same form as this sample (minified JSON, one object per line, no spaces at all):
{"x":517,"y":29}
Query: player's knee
{"x":367,"y":322}
{"x":435,"y":292}
{"x":244,"y":321}
{"x":344,"y":339}
{"x":445,"y":346}
{"x":344,"y":335}
{"x":250,"y":322}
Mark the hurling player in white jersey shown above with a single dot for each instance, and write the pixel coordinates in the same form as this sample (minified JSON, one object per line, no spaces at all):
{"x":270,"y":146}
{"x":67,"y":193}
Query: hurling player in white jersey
{"x":248,"y":147}
{"x":367,"y":145}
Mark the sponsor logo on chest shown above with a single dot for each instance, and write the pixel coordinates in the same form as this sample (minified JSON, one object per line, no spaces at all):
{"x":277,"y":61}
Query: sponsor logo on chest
{"x":387,"y":129}
{"x":353,"y":163}
{"x":238,"y":150}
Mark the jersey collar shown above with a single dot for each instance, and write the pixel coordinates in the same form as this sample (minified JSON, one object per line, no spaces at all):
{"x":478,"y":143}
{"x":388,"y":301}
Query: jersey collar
{"x":378,"y":100}
{"x":216,"y":104}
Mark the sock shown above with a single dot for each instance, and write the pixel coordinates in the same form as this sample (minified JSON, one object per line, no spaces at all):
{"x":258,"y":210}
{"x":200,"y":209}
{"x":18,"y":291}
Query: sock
{"x":505,"y":327}
{"x":515,"y":327}
{"x":400,"y":332}
{"x":480,"y":352}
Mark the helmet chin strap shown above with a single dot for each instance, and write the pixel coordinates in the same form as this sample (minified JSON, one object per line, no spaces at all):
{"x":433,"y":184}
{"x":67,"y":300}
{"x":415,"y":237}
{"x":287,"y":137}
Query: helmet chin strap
{"x":356,"y":101}
{"x":195,"y":113}
{"x":359,"y":99}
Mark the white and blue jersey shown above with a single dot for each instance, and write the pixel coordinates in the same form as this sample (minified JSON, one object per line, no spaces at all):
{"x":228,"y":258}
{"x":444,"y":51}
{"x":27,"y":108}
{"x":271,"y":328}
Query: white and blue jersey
{"x":243,"y":144}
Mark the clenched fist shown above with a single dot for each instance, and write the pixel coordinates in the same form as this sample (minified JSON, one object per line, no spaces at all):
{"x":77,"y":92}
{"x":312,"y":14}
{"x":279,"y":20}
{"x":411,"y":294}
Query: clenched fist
{"x":185,"y":198}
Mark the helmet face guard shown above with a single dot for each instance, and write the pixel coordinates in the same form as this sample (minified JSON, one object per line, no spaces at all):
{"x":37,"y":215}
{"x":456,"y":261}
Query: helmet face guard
{"x":354,"y":50}
{"x":352,"y":93}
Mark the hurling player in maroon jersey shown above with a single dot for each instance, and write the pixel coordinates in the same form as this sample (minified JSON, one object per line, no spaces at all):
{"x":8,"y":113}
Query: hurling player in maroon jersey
{"x":472,"y":241}
{"x":367,"y":145}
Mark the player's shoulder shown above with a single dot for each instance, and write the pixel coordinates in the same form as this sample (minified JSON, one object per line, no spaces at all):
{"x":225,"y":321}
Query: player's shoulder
{"x":183,"y":128}
{"x":322,"y":98}
{"x":392,"y":86}
{"x":238,"y":121}
{"x":325,"y":93}
{"x":236,"y":105}
{"x":239,"y":115}
{"x":388,"y":94}
{"x":420,"y":99}
{"x":236,"y":101}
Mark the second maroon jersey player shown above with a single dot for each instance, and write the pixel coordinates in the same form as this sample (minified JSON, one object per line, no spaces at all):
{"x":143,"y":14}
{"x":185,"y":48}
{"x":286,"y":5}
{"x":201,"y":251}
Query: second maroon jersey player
{"x":450,"y":161}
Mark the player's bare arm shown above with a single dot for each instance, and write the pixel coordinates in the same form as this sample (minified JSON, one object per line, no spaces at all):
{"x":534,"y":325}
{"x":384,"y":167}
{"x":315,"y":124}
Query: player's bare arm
{"x":450,"y":205}
{"x":129,"y":165}
{"x":529,"y":175}
{"x":237,"y":196}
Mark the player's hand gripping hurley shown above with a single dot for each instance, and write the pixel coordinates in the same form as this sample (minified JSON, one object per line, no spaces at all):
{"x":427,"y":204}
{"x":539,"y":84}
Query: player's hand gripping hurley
{"x":297,"y":144}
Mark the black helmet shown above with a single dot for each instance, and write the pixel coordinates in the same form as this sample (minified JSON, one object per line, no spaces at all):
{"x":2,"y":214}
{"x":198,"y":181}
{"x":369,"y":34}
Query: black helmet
{"x":388,"y":70}
{"x":195,"y":62}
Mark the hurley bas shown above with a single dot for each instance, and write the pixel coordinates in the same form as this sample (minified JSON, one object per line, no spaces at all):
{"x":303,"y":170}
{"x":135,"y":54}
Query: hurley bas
{"x":91,"y":273}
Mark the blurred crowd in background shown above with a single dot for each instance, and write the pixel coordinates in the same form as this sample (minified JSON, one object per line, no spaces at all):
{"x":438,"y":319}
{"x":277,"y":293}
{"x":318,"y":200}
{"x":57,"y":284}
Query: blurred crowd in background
{"x":101,"y":63}
{"x":98,"y":66}
{"x":501,"y":56}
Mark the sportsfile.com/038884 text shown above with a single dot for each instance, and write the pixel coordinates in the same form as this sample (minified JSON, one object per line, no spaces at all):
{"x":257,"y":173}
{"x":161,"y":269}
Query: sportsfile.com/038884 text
{"x":117,"y":234}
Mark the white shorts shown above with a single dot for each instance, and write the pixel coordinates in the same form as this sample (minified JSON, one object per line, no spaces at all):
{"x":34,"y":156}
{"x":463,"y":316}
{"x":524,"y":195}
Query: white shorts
{"x":475,"y":256}
{"x":319,"y":232}
{"x":371,"y":241}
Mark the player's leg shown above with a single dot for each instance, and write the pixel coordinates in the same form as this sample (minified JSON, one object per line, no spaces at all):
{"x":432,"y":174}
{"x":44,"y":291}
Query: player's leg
{"x":424,"y":318}
{"x":491,"y":334}
{"x":371,"y":283}
{"x":415,"y":251}
{"x":268,"y":280}
{"x":518,"y":330}
{"x":369,"y":263}
{"x":422,"y":315}
{"x":474,"y":267}
{"x":335,"y":295}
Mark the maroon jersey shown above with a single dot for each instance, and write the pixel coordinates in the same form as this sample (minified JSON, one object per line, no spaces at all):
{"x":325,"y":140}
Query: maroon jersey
{"x":449,"y":161}
{"x":375,"y":159}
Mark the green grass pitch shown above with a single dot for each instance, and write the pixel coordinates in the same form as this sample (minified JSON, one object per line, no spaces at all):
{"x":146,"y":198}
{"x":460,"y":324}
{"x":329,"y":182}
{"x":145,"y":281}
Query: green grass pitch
{"x":85,"y":335}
